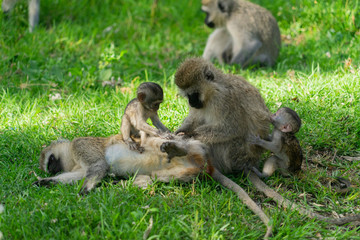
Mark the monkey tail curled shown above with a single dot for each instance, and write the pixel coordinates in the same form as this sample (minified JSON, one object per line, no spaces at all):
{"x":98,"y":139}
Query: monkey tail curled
{"x":260,"y":185}
{"x":228,"y":183}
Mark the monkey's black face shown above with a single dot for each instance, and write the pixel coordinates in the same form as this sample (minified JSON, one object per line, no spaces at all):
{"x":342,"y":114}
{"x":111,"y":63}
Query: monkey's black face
{"x":54,"y":165}
{"x":207,"y":22}
{"x":194,"y":100}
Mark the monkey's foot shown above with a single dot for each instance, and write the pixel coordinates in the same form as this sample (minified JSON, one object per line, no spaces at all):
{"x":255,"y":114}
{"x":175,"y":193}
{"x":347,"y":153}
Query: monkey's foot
{"x":44,"y":182}
{"x":142,"y":181}
{"x":172,"y":149}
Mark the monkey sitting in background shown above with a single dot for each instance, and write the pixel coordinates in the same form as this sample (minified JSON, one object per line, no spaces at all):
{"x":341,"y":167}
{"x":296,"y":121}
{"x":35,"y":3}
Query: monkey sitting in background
{"x":34,"y":11}
{"x":245,"y":33}
{"x":286,"y":147}
{"x":144,"y":106}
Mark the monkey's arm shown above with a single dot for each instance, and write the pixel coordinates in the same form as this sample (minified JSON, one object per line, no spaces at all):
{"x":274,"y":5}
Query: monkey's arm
{"x":273,"y":146}
{"x":213,"y":133}
{"x":158,"y":124}
{"x":245,"y":48}
{"x":142,"y":125}
{"x":126,"y":131}
{"x":187,"y":126}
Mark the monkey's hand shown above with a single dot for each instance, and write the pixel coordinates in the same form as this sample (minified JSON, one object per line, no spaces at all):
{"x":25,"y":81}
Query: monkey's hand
{"x":254,"y":139}
{"x":133,"y":146}
{"x":167,"y":136}
{"x":173,"y":150}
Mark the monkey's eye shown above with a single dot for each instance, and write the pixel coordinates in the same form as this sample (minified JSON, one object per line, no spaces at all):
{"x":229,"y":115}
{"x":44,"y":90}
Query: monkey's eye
{"x":221,"y":7}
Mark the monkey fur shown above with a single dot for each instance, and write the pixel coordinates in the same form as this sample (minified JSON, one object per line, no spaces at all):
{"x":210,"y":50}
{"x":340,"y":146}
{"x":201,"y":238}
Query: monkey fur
{"x":223,"y":110}
{"x":286,"y":147}
{"x":34,"y":11}
{"x":93,"y":158}
{"x":245,"y":33}
{"x":144,"y":106}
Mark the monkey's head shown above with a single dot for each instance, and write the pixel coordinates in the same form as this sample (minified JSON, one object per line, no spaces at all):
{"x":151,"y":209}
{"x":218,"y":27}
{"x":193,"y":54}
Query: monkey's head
{"x":217,"y":11}
{"x":50,"y":161}
{"x":286,"y":120}
{"x":197,"y":80}
{"x":150,"y":95}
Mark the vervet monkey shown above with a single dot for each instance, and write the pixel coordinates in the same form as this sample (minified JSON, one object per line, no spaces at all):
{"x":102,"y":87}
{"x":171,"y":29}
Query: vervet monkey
{"x":245,"y":33}
{"x":286,"y":147}
{"x":149,"y":97}
{"x":224,"y":110}
{"x":34,"y":11}
{"x":92,"y":158}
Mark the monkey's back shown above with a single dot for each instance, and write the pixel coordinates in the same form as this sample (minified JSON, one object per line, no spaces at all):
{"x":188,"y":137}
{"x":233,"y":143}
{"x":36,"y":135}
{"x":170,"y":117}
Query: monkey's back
{"x":260,"y":23}
{"x":245,"y":113}
{"x":292,"y":148}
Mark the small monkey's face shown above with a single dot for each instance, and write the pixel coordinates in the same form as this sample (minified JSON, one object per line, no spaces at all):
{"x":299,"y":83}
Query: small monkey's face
{"x":154,"y":105}
{"x":286,"y":120}
{"x":195,"y":79}
{"x":216,"y":12}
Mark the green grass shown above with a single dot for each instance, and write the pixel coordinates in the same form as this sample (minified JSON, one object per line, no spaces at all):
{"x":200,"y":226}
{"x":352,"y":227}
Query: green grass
{"x":80,"y":44}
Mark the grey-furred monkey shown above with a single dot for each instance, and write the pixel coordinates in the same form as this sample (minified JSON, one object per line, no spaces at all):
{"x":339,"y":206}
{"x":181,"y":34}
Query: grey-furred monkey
{"x":245,"y":33}
{"x":93,"y":158}
{"x":224,"y":110}
{"x":283,"y":143}
{"x":34,"y":11}
{"x":144,"y":106}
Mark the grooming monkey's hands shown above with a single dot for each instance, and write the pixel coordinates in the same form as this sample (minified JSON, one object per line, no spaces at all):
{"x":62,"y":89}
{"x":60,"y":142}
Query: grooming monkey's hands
{"x":254,"y":139}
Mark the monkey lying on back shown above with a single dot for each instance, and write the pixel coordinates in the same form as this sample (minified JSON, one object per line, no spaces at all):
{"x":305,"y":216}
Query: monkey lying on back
{"x":145,"y":105}
{"x":283,"y":143}
{"x":244,"y":34}
{"x":93,"y":158}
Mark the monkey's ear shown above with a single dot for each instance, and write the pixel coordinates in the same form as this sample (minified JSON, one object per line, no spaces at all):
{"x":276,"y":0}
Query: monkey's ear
{"x":224,"y":6}
{"x":286,"y":128}
{"x":141,"y":96}
{"x":209,"y":75}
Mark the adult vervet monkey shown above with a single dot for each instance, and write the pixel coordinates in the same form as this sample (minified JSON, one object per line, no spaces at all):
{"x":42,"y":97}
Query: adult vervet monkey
{"x":34,"y":11}
{"x":245,"y":33}
{"x":224,"y":110}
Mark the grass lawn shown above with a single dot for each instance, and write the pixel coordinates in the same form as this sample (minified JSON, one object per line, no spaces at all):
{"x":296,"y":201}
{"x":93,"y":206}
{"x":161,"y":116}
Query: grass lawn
{"x":52,"y":86}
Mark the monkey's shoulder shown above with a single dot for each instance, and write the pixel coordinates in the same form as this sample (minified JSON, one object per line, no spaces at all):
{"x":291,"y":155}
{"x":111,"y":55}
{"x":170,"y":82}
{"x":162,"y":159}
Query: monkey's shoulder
{"x":132,"y":104}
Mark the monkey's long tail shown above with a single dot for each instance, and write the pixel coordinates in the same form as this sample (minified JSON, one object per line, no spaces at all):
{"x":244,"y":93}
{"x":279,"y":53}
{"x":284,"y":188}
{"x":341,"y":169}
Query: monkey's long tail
{"x":283,"y":202}
{"x":228,"y":183}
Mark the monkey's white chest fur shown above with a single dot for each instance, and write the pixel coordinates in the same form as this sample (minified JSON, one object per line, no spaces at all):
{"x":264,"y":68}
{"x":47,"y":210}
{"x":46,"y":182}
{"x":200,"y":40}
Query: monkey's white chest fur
{"x":124,"y":162}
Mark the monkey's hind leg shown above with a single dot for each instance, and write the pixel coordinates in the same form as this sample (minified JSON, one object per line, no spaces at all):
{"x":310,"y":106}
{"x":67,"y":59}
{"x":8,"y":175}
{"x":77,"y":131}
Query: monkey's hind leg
{"x":94,"y":174}
{"x":67,"y":178}
{"x":34,"y":11}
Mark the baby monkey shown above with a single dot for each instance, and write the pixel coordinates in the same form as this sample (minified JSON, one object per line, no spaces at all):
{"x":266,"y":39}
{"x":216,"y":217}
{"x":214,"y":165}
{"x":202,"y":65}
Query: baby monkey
{"x":138,"y":111}
{"x":283,"y":143}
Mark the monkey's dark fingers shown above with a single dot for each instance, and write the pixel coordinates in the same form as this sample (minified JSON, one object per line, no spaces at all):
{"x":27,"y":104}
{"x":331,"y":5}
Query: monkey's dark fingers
{"x":141,"y":149}
{"x":84,"y":191}
{"x":44,"y":182}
